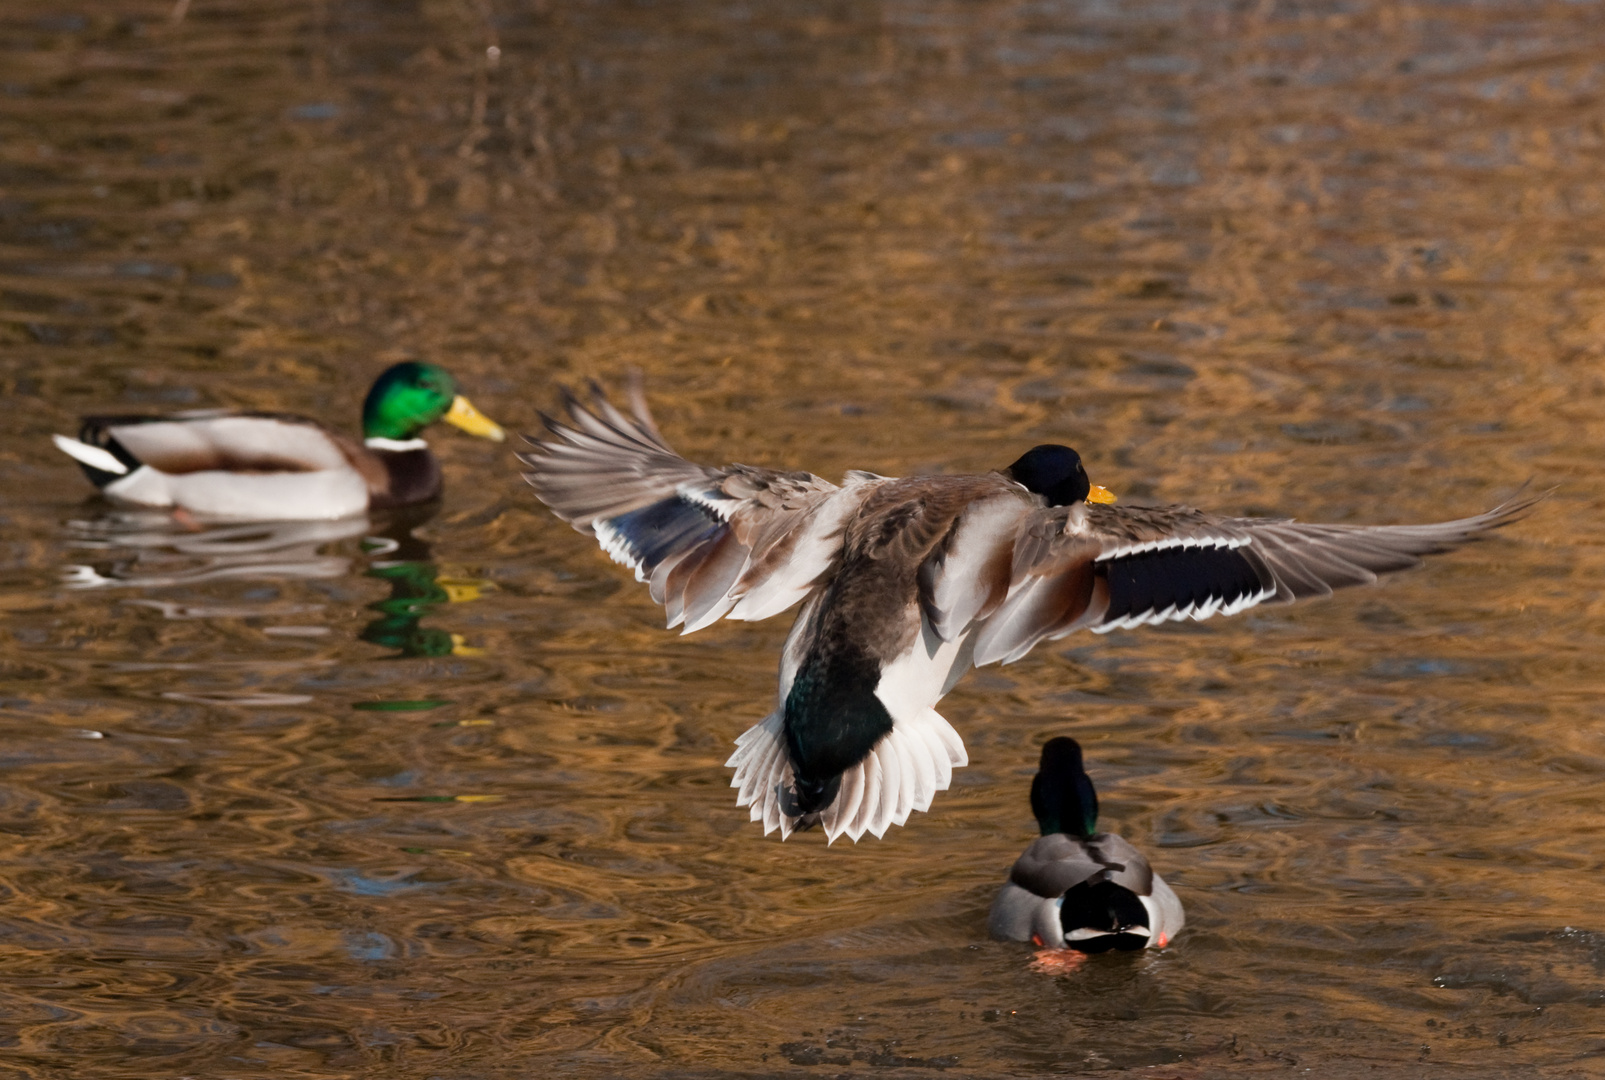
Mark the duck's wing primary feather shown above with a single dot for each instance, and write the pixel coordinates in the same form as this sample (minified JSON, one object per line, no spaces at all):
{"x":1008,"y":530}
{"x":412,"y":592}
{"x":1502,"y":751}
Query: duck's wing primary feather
{"x":1099,"y":567}
{"x":738,"y":542}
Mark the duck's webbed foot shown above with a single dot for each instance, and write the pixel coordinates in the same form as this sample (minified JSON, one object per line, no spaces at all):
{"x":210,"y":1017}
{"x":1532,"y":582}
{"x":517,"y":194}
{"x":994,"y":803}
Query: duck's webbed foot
{"x":1057,"y":961}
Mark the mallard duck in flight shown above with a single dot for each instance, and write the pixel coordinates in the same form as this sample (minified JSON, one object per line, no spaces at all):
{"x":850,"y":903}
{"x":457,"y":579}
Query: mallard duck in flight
{"x":1075,"y":887}
{"x":906,"y":583}
{"x":274,"y":467}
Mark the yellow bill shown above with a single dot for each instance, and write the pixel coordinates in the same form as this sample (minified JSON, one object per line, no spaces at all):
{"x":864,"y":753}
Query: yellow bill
{"x":465,"y":416}
{"x":462,"y":590}
{"x":1100,"y":494}
{"x":460,"y":647}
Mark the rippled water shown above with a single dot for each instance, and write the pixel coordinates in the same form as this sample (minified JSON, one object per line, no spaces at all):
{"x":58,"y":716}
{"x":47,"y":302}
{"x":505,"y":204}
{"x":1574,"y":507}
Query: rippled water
{"x":437,"y":797}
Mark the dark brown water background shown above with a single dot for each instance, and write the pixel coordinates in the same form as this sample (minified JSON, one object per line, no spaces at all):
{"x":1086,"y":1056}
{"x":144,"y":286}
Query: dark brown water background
{"x":1343,"y":260}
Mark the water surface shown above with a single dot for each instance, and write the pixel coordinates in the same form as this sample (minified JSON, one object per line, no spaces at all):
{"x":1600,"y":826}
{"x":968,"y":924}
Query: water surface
{"x":436,"y":796}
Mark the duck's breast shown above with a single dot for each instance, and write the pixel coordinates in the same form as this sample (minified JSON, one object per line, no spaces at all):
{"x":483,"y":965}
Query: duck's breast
{"x":410,"y":476}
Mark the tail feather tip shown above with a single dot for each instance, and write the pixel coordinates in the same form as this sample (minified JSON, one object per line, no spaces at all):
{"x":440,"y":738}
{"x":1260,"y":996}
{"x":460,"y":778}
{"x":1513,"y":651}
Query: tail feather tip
{"x":92,"y":456}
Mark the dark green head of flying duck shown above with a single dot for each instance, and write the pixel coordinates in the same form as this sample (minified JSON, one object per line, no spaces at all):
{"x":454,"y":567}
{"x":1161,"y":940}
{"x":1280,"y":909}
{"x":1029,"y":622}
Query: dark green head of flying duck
{"x":1056,"y":473}
{"x":1062,"y":796}
{"x":410,"y":396}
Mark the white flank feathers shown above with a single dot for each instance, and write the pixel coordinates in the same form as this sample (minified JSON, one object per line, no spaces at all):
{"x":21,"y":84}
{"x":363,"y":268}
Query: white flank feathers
{"x":1165,"y":914}
{"x":326,"y":494}
{"x":93,"y":456}
{"x":911,"y":684}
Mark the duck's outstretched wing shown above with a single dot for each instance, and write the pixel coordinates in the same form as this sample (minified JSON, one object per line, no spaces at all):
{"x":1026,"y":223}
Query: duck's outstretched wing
{"x":1052,"y":571}
{"x":738,"y":542}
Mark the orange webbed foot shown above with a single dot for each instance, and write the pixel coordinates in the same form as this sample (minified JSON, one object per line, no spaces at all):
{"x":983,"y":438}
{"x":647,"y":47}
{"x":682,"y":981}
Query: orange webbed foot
{"x":1057,"y":961}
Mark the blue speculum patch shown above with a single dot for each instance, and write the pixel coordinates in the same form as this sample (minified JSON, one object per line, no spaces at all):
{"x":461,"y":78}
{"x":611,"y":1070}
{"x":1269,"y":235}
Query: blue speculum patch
{"x":655,"y":532}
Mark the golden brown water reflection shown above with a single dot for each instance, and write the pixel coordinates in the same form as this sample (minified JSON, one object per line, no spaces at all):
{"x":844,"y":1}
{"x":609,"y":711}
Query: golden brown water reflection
{"x":1341,"y":260}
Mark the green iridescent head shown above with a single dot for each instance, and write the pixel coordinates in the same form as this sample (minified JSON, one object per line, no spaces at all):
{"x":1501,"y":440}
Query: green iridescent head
{"x":1062,"y":796}
{"x":410,"y":396}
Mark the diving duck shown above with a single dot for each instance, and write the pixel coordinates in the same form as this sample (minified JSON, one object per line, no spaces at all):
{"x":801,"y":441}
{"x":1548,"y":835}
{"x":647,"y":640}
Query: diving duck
{"x":274,"y":467}
{"x":1075,"y":887}
{"x":907,"y":583}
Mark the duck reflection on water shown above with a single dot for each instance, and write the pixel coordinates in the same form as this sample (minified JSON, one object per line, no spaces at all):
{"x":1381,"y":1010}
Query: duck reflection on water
{"x":416,"y":590}
{"x":157,"y":550}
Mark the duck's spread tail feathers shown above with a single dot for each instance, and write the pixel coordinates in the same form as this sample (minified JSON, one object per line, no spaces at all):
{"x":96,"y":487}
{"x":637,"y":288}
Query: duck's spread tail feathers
{"x":902,"y":774}
{"x":762,"y":772}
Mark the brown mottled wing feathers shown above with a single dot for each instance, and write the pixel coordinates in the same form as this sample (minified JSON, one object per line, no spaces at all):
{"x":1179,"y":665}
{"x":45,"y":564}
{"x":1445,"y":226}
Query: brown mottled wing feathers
{"x":739,"y":541}
{"x":968,"y":573}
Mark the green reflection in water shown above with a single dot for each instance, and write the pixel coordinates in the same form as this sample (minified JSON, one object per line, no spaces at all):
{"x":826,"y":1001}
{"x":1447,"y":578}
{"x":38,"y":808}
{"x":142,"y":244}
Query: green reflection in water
{"x":416,"y":590}
{"x":414,"y":594}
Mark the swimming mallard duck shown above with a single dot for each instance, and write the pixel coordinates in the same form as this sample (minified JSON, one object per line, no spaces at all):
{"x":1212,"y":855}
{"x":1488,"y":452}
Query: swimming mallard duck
{"x":905,"y":583}
{"x":272,"y":467}
{"x":1075,"y":887}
